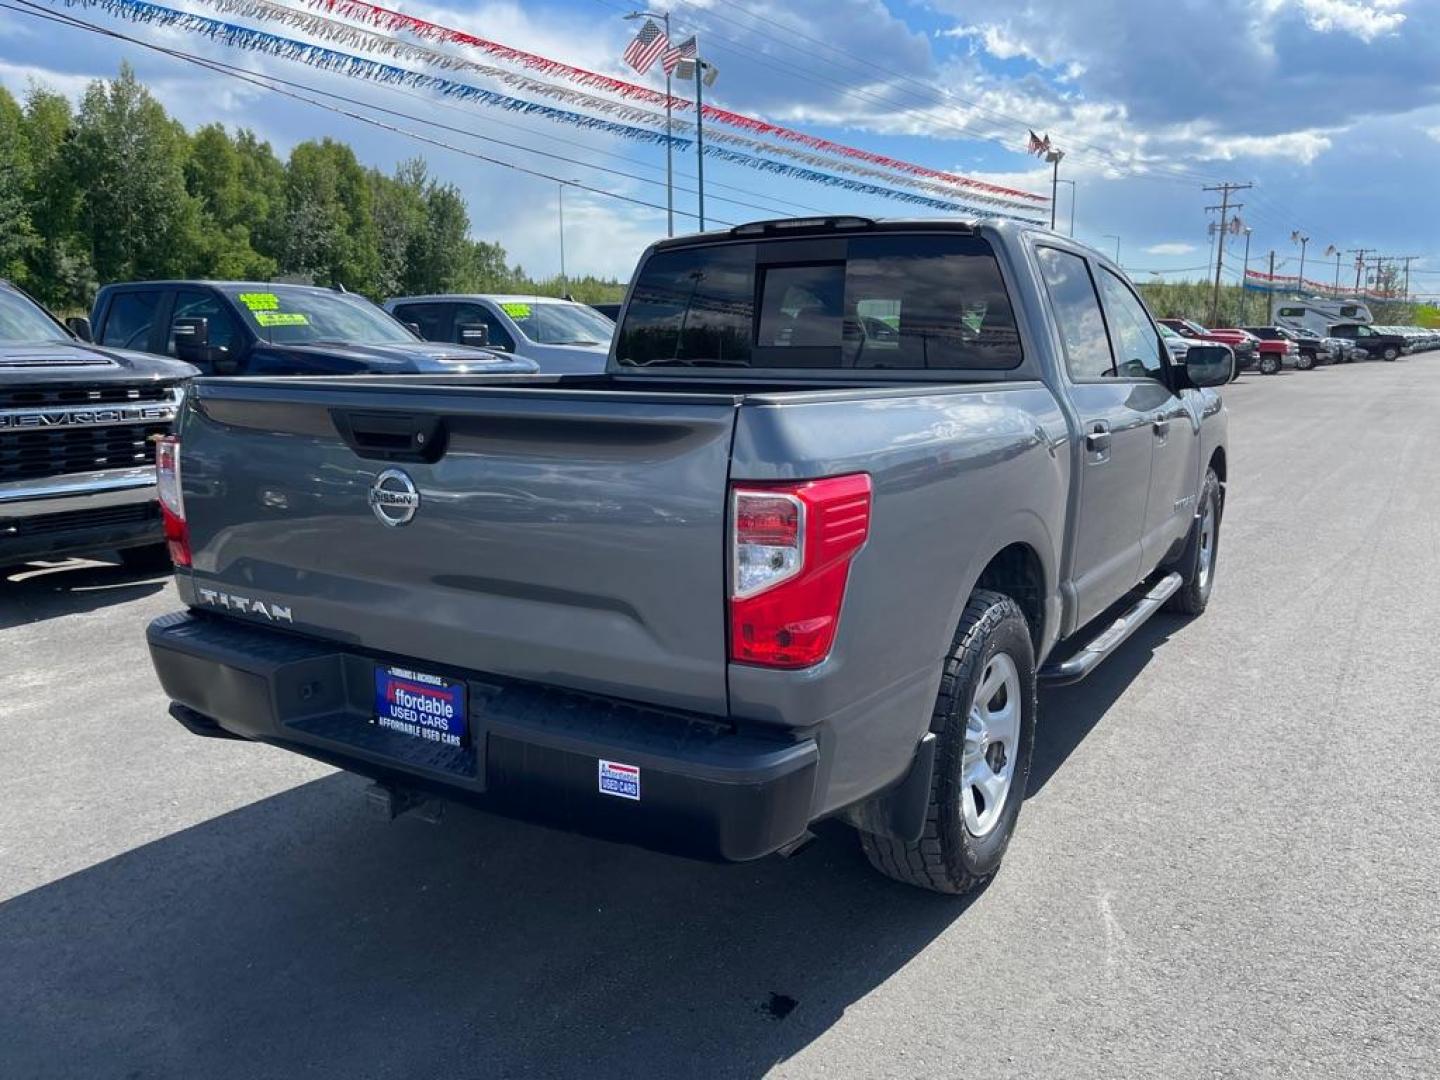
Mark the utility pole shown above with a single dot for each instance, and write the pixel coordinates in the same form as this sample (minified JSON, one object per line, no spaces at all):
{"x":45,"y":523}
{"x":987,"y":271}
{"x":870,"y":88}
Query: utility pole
{"x":1245,"y":277}
{"x":1225,"y":191}
{"x":1406,"y":259}
{"x":1359,"y":254}
{"x":1304,"y":242}
{"x":1112,"y":236}
{"x":1270,"y":309}
{"x":1337,"y":273}
{"x":1072,"y":204}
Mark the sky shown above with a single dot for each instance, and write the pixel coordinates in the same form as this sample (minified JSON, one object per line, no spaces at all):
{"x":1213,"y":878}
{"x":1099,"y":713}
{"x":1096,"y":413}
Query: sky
{"x":1330,"y":108}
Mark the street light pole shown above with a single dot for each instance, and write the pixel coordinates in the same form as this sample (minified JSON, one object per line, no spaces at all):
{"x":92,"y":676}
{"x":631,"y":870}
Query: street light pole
{"x":1112,"y":236}
{"x":561,"y":188}
{"x":1304,"y":242}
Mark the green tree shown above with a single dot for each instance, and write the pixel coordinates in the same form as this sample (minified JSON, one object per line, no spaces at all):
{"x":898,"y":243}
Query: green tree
{"x":330,"y":231}
{"x":399,"y":206}
{"x":59,"y":269}
{"x":17,"y":237}
{"x":130,"y":157}
{"x":238,"y":184}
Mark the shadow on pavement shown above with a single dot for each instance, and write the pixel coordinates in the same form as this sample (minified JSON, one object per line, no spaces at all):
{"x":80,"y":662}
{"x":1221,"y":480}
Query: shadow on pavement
{"x":296,"y":937}
{"x":1069,"y":713}
{"x":37,"y":591}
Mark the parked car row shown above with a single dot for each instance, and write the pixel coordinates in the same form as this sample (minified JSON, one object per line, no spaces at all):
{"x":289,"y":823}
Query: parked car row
{"x":1269,"y":349}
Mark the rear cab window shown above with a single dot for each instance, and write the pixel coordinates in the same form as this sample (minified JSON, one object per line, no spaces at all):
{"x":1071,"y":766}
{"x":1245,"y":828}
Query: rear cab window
{"x":903,"y":301}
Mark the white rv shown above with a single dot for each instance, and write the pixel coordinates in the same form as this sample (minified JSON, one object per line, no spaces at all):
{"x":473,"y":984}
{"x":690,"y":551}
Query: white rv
{"x":1317,"y":315}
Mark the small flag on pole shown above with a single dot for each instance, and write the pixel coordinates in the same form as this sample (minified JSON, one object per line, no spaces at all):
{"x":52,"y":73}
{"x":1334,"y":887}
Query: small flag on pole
{"x":686,"y":50}
{"x":1038,"y":146}
{"x":647,"y":47}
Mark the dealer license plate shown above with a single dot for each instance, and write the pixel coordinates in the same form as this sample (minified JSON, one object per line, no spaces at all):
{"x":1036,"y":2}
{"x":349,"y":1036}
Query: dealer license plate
{"x":420,"y":706}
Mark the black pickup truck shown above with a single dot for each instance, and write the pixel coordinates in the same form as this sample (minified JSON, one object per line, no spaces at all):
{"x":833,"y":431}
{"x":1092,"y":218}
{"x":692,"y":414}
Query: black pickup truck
{"x":76,"y":421}
{"x":264,"y":328}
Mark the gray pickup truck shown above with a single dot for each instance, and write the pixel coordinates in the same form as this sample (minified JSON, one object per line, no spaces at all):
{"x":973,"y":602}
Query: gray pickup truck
{"x":847,"y":491}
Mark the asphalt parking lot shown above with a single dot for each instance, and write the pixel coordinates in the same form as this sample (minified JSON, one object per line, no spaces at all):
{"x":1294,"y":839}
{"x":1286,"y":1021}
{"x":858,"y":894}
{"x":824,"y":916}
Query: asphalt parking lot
{"x":1228,"y":865}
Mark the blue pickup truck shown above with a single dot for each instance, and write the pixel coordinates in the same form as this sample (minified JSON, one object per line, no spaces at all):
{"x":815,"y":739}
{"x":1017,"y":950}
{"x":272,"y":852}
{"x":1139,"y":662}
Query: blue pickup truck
{"x":847,"y":492}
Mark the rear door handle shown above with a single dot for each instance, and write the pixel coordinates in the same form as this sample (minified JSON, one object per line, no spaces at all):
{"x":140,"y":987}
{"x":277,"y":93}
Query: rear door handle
{"x":1161,"y":425}
{"x":1097,"y":439}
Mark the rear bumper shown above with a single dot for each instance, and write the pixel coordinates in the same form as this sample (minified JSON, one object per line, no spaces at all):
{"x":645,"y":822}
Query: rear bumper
{"x":706,"y":789}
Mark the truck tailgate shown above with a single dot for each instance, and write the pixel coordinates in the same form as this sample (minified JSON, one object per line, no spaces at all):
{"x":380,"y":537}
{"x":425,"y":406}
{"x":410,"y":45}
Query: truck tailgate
{"x":575,"y":538}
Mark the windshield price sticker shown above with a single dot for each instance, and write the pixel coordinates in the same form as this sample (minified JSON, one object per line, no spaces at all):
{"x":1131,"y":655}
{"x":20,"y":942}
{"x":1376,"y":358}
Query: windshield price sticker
{"x":260,"y":301}
{"x":281,"y":318}
{"x":516,"y":311}
{"x":419,"y":705}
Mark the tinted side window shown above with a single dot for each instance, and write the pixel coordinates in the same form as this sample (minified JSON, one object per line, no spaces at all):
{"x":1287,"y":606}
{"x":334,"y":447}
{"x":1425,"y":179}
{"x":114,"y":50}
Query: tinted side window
{"x":1077,"y":312}
{"x":499,"y":338}
{"x":1137,"y":346}
{"x":432,"y":319}
{"x":224,"y":332}
{"x":131,"y":315}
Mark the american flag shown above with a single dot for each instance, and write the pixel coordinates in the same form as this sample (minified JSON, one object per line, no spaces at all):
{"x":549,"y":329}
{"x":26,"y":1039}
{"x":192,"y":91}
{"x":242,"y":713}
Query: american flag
{"x":684,"y":51}
{"x":649,"y":43}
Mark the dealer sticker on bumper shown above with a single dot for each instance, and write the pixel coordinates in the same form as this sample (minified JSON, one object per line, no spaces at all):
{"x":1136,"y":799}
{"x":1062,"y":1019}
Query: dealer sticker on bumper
{"x":420,"y":705}
{"x":622,"y":781}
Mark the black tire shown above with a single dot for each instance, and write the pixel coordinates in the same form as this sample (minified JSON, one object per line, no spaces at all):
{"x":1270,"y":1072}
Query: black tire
{"x":1192,"y":597}
{"x":1269,"y":364}
{"x":1390,"y":352}
{"x":949,"y":858}
{"x":1305,"y":361}
{"x":151,"y":559}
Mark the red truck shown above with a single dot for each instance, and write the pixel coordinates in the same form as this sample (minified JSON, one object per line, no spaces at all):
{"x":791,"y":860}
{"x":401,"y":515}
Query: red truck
{"x":1246,"y":347}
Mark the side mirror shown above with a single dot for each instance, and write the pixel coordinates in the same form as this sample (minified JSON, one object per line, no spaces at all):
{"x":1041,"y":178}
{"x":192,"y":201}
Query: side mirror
{"x":477,"y":334}
{"x":192,"y":339}
{"x":79,"y":325}
{"x":414,"y":328}
{"x":1209,"y":365}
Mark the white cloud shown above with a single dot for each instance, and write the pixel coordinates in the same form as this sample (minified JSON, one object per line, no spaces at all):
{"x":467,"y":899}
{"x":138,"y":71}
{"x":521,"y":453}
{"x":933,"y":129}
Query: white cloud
{"x":1366,"y":21}
{"x":1172,"y":248}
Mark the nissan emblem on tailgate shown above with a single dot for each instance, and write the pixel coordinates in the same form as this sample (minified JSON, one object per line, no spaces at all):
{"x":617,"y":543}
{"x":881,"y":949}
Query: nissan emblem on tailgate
{"x":394,"y":497}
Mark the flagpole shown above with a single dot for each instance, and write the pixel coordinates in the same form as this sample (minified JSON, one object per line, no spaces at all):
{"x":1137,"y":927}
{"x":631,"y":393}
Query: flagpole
{"x":1054,"y":189}
{"x":669,"y":150}
{"x":699,"y":134}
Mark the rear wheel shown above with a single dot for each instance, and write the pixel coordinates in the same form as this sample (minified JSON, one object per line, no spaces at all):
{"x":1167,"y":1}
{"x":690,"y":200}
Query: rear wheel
{"x":1305,"y":361}
{"x":984,"y":721}
{"x":1390,"y":352}
{"x":1269,"y":364}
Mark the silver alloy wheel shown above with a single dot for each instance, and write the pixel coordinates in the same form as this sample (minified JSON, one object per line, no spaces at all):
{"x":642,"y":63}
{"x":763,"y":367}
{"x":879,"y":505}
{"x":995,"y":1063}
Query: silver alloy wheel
{"x":992,"y":736}
{"x":1207,"y":543}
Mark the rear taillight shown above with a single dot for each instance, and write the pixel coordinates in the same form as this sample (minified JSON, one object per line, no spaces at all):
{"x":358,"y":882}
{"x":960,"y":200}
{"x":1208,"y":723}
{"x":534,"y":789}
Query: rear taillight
{"x":791,"y":546}
{"x":172,"y":501}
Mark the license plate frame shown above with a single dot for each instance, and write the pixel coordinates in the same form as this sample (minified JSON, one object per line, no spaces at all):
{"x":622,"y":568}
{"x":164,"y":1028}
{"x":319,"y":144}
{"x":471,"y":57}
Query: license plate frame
{"x":421,"y":705}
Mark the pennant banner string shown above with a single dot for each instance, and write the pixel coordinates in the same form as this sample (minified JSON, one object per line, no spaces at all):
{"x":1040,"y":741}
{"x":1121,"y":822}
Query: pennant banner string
{"x":331,"y":60}
{"x":331,"y":31}
{"x":394,"y":21}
